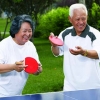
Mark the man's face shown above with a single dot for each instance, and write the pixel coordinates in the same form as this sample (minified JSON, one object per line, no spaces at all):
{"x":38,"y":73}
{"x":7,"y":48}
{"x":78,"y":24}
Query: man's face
{"x":79,"y":20}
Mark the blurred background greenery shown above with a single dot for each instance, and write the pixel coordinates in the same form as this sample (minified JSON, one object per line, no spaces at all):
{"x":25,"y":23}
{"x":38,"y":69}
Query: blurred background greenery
{"x":48,"y":15}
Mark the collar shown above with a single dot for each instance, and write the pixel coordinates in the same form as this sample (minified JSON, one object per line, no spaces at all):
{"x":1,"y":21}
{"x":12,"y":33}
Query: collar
{"x":84,"y":32}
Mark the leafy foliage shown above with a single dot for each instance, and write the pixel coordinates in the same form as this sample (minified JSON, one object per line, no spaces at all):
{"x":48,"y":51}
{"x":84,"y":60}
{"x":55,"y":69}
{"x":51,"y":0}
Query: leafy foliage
{"x":89,"y":3}
{"x":64,"y":3}
{"x":94,"y":16}
{"x":17,"y":7}
{"x":53,"y":21}
{"x":31,"y":7}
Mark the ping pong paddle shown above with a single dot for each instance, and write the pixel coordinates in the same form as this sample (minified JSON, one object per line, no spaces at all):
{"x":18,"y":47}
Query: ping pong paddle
{"x":32,"y":65}
{"x":55,"y":40}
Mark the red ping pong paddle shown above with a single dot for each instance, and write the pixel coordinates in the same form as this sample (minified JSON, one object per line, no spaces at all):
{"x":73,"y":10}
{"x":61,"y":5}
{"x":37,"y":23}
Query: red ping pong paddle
{"x":55,"y":40}
{"x":32,"y":65}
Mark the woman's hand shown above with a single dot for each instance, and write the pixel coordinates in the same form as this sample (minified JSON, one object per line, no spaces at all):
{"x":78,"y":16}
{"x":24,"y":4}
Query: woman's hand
{"x":39,"y":70}
{"x":19,"y":66}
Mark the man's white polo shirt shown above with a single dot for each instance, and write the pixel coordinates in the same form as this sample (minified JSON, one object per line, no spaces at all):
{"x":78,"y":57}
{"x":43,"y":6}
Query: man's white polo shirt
{"x":81,"y":72}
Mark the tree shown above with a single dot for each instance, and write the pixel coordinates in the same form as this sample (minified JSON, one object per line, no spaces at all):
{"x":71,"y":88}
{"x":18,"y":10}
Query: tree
{"x":82,"y":1}
{"x":62,"y":3}
{"x":30,"y":7}
{"x":90,"y":2}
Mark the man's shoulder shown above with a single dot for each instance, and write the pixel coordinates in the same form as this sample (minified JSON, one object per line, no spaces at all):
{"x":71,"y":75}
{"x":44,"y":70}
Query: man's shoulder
{"x":92,"y":29}
{"x":95,"y":32}
{"x":67,"y":30}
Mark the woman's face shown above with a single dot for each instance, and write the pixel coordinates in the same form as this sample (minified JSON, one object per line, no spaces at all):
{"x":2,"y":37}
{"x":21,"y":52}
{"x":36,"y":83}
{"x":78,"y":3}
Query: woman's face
{"x":24,"y":34}
{"x":79,"y":20}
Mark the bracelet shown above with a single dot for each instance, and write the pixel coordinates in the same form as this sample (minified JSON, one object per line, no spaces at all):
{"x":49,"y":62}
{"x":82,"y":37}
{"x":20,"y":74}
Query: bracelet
{"x":86,"y":53}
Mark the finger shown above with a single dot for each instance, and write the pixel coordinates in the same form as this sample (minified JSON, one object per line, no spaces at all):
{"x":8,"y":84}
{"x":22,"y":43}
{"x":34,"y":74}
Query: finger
{"x":22,"y":61}
{"x":18,"y":63}
{"x":37,"y":73}
{"x":52,"y":34}
{"x":26,"y":65}
{"x":40,"y":69}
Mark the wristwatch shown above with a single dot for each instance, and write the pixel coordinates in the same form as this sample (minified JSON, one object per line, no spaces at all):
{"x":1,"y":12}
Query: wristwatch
{"x":86,"y":53}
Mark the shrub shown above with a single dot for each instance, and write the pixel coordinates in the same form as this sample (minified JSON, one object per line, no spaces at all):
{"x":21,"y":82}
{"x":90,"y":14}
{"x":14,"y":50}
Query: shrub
{"x":57,"y":19}
{"x":53,"y":21}
{"x":94,"y":16}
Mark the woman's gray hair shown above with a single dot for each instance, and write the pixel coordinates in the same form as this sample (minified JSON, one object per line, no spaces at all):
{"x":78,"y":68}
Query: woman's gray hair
{"x":17,"y":22}
{"x":77,"y":6}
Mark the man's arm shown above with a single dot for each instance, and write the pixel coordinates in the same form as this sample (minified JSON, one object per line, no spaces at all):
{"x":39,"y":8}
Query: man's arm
{"x":55,"y":50}
{"x":88,"y":53}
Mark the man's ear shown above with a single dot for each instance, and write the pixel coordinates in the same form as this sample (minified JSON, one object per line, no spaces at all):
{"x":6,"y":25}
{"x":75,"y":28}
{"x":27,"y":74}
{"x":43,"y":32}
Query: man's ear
{"x":87,"y":17}
{"x":70,"y":19}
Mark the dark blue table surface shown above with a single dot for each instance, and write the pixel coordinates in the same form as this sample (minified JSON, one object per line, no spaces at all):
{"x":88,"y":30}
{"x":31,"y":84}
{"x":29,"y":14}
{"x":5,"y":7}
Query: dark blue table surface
{"x":92,"y":94}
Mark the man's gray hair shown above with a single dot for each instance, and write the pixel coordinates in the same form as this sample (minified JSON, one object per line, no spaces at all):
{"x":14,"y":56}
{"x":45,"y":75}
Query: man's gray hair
{"x":77,"y":6}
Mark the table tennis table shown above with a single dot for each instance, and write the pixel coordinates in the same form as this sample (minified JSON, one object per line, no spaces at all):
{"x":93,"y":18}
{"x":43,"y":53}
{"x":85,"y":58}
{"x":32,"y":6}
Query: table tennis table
{"x":91,"y":94}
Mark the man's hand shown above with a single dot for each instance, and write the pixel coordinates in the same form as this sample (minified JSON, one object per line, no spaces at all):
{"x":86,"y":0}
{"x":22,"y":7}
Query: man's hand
{"x":78,"y":50}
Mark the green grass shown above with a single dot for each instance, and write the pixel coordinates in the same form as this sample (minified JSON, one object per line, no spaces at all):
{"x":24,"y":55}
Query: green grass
{"x":51,"y":79}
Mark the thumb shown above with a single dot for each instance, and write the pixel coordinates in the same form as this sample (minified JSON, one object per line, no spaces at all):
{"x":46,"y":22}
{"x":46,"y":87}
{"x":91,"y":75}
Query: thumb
{"x":51,"y":34}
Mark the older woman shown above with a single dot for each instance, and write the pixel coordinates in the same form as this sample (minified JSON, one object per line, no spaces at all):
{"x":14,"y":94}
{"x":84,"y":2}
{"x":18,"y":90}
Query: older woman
{"x":15,"y":48}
